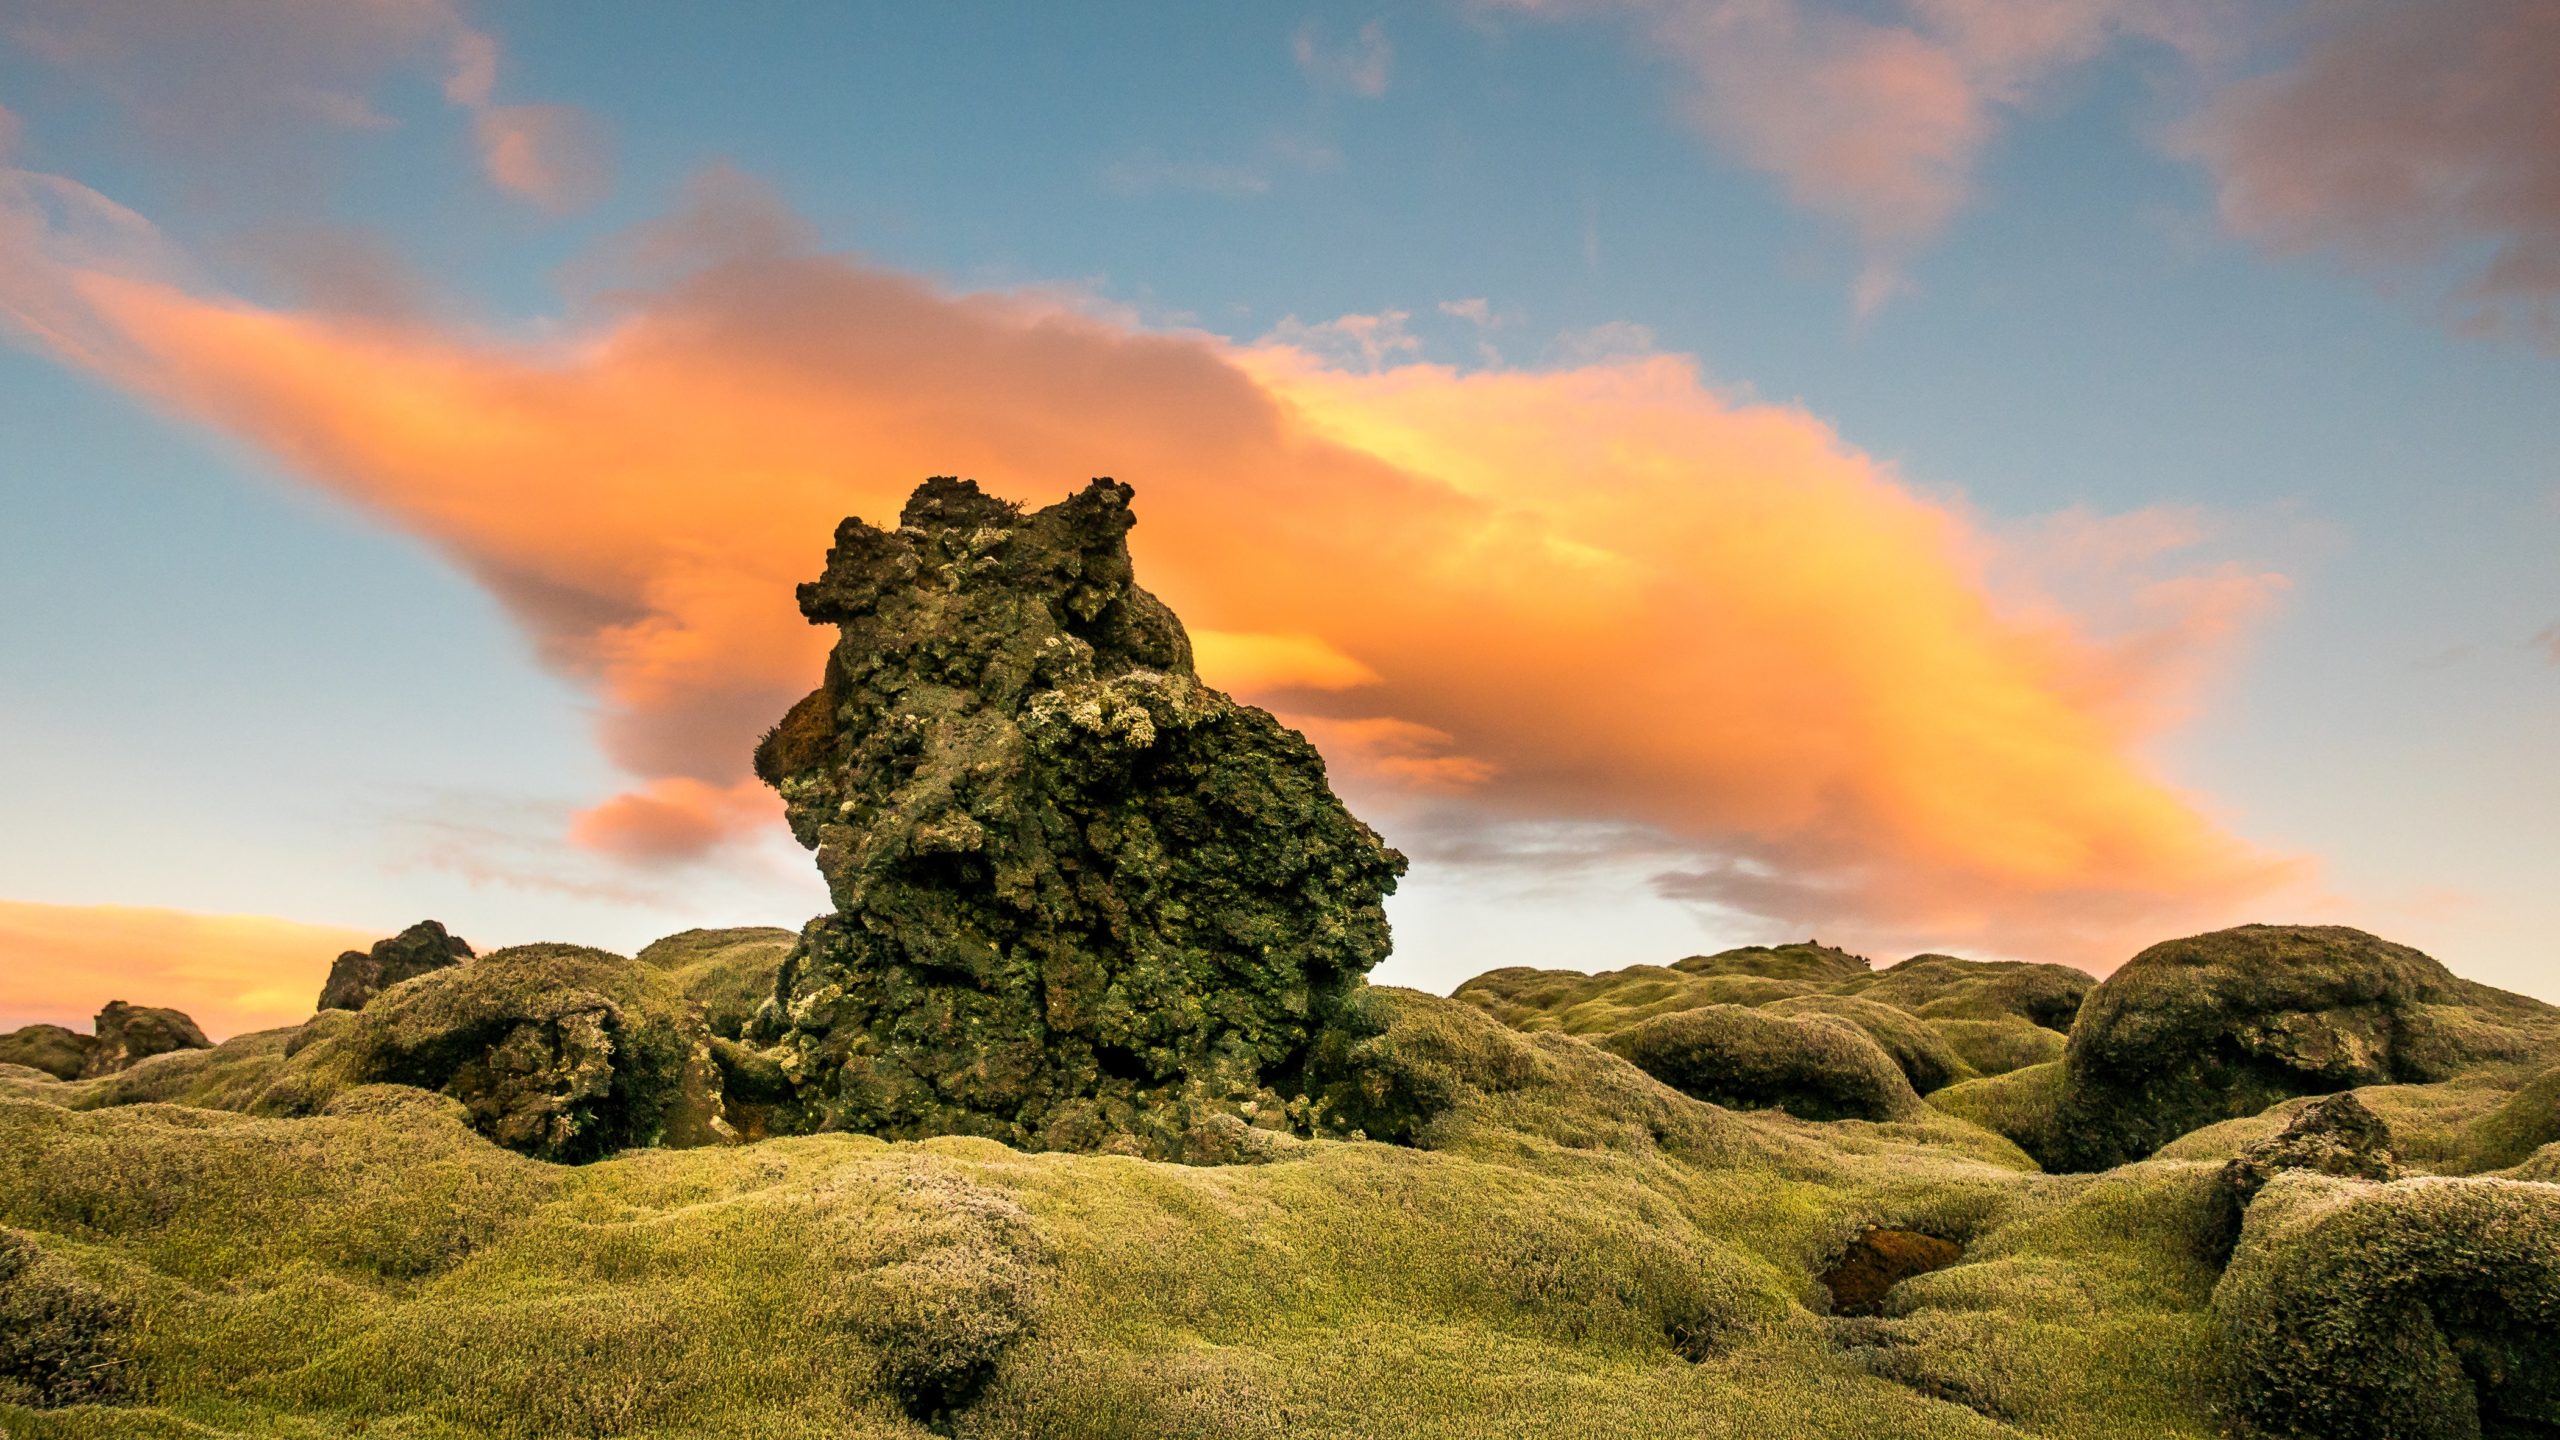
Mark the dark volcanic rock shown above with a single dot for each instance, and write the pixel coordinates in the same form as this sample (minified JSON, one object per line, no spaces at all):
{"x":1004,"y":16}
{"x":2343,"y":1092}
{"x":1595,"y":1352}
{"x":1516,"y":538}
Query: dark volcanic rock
{"x":2219,"y":1026}
{"x":129,"y":1034}
{"x":358,"y":975}
{"x":1082,"y":899}
{"x":2334,"y":1135}
{"x":2426,"y":1309}
{"x":60,"y":1053}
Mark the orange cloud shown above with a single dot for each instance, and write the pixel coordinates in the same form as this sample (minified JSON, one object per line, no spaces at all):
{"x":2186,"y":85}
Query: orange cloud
{"x":232,"y":973}
{"x":1603,"y":594}
{"x":2408,"y":135}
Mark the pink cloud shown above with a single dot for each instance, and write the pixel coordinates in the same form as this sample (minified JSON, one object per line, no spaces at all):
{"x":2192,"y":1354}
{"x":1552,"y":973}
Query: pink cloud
{"x":2405,"y":136}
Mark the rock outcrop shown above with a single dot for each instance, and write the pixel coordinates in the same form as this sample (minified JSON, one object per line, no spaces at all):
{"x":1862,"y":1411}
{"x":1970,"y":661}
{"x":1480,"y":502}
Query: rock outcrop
{"x":1082,"y":900}
{"x":58,"y":1052}
{"x":130,"y":1034}
{"x":2218,"y":1026}
{"x":358,"y":975}
{"x":2333,"y":1135}
{"x":558,"y":1051}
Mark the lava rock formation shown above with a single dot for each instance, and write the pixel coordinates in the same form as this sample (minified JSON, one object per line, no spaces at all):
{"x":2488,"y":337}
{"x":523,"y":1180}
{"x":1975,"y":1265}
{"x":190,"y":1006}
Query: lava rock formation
{"x":1083,"y":901}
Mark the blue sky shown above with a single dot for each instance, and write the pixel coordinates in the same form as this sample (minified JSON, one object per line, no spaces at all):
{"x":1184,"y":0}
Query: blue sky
{"x":238,"y":692}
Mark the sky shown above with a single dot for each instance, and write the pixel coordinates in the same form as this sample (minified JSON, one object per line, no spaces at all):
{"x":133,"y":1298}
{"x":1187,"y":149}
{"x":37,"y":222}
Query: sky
{"x":2018,"y":478}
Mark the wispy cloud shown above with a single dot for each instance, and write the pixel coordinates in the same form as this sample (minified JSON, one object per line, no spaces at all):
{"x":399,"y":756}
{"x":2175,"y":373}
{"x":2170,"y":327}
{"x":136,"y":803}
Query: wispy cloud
{"x":1360,"y":66}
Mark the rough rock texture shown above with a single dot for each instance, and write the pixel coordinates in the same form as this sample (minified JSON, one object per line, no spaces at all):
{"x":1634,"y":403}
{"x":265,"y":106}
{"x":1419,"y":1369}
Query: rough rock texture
{"x":60,"y":1053}
{"x":2333,"y":1135}
{"x":357,"y":976}
{"x":129,"y":1034}
{"x":1814,"y":1067}
{"x":558,"y":1051}
{"x":2427,"y":1309}
{"x":1082,"y":899}
{"x":2223,"y":1025}
{"x":62,"y":1342}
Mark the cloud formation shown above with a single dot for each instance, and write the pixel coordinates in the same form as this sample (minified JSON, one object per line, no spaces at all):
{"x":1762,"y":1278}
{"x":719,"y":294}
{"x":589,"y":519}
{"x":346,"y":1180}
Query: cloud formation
{"x":1598,"y":595}
{"x":1872,"y":116}
{"x":231,"y":973}
{"x":2408,"y":135}
{"x":209,"y":77}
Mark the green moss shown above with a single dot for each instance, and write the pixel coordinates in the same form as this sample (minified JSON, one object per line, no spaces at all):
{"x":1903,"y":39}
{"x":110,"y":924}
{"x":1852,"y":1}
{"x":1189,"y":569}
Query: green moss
{"x":60,"y":1053}
{"x":1816,"y":1067}
{"x":2019,"y":1104}
{"x":728,"y":973}
{"x":1924,"y":1055}
{"x":2428,"y":1307}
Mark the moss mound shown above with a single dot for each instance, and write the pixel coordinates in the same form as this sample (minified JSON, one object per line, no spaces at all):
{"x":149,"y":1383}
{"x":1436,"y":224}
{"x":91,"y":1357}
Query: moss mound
{"x":2223,"y":1025}
{"x":1814,"y":1067}
{"x":1927,"y":1060}
{"x":58,"y":1052}
{"x":1082,"y":899}
{"x":1945,"y":987}
{"x":729,"y":973}
{"x":62,"y":1340}
{"x":2424,"y":1308}
{"x":558,"y":1051}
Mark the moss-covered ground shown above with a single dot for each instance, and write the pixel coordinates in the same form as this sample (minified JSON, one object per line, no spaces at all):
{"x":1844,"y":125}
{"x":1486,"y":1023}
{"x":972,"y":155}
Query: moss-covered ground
{"x":1568,"y":1247}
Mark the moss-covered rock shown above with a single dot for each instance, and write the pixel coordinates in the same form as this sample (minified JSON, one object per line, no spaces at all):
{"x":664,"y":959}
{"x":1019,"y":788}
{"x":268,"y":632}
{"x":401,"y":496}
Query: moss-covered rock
{"x":58,"y":1052}
{"x":2333,"y":1135}
{"x":729,"y":973}
{"x":1927,"y":1060}
{"x":558,"y":1051}
{"x":1808,"y":961}
{"x":131,"y":1034}
{"x":2223,"y":1025}
{"x":2019,"y":1104}
{"x":356,"y":976}
{"x":1082,"y":899}
{"x":2425,"y":1309}
{"x":1815,"y":1067}
{"x":1948,"y":987}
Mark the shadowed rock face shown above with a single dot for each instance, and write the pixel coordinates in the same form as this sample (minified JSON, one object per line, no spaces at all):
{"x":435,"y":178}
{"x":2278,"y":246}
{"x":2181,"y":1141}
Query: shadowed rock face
{"x":358,"y":975}
{"x":130,"y":1034}
{"x":1082,"y":899}
{"x":2333,"y":1135}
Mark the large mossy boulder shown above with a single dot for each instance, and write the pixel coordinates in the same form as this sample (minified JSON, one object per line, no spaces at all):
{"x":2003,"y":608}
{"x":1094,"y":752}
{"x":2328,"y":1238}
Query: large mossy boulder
{"x":1927,"y":1060}
{"x":1814,"y":1067}
{"x":2223,"y":1025}
{"x":558,"y":1051}
{"x":356,"y":976}
{"x":1081,"y":898}
{"x":58,"y":1052}
{"x":131,"y":1034}
{"x":2425,"y":1309}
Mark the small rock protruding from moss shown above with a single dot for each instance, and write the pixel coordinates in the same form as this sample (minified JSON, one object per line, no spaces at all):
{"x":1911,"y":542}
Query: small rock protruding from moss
{"x":356,"y":976}
{"x":1880,"y":1259}
{"x":2219,"y":1026}
{"x":1082,"y":899}
{"x":2334,"y":1135}
{"x":62,"y":1340}
{"x":1814,"y":1067}
{"x":558,"y":1051}
{"x":59,"y":1052}
{"x":2425,"y":1309}
{"x":131,"y":1034}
